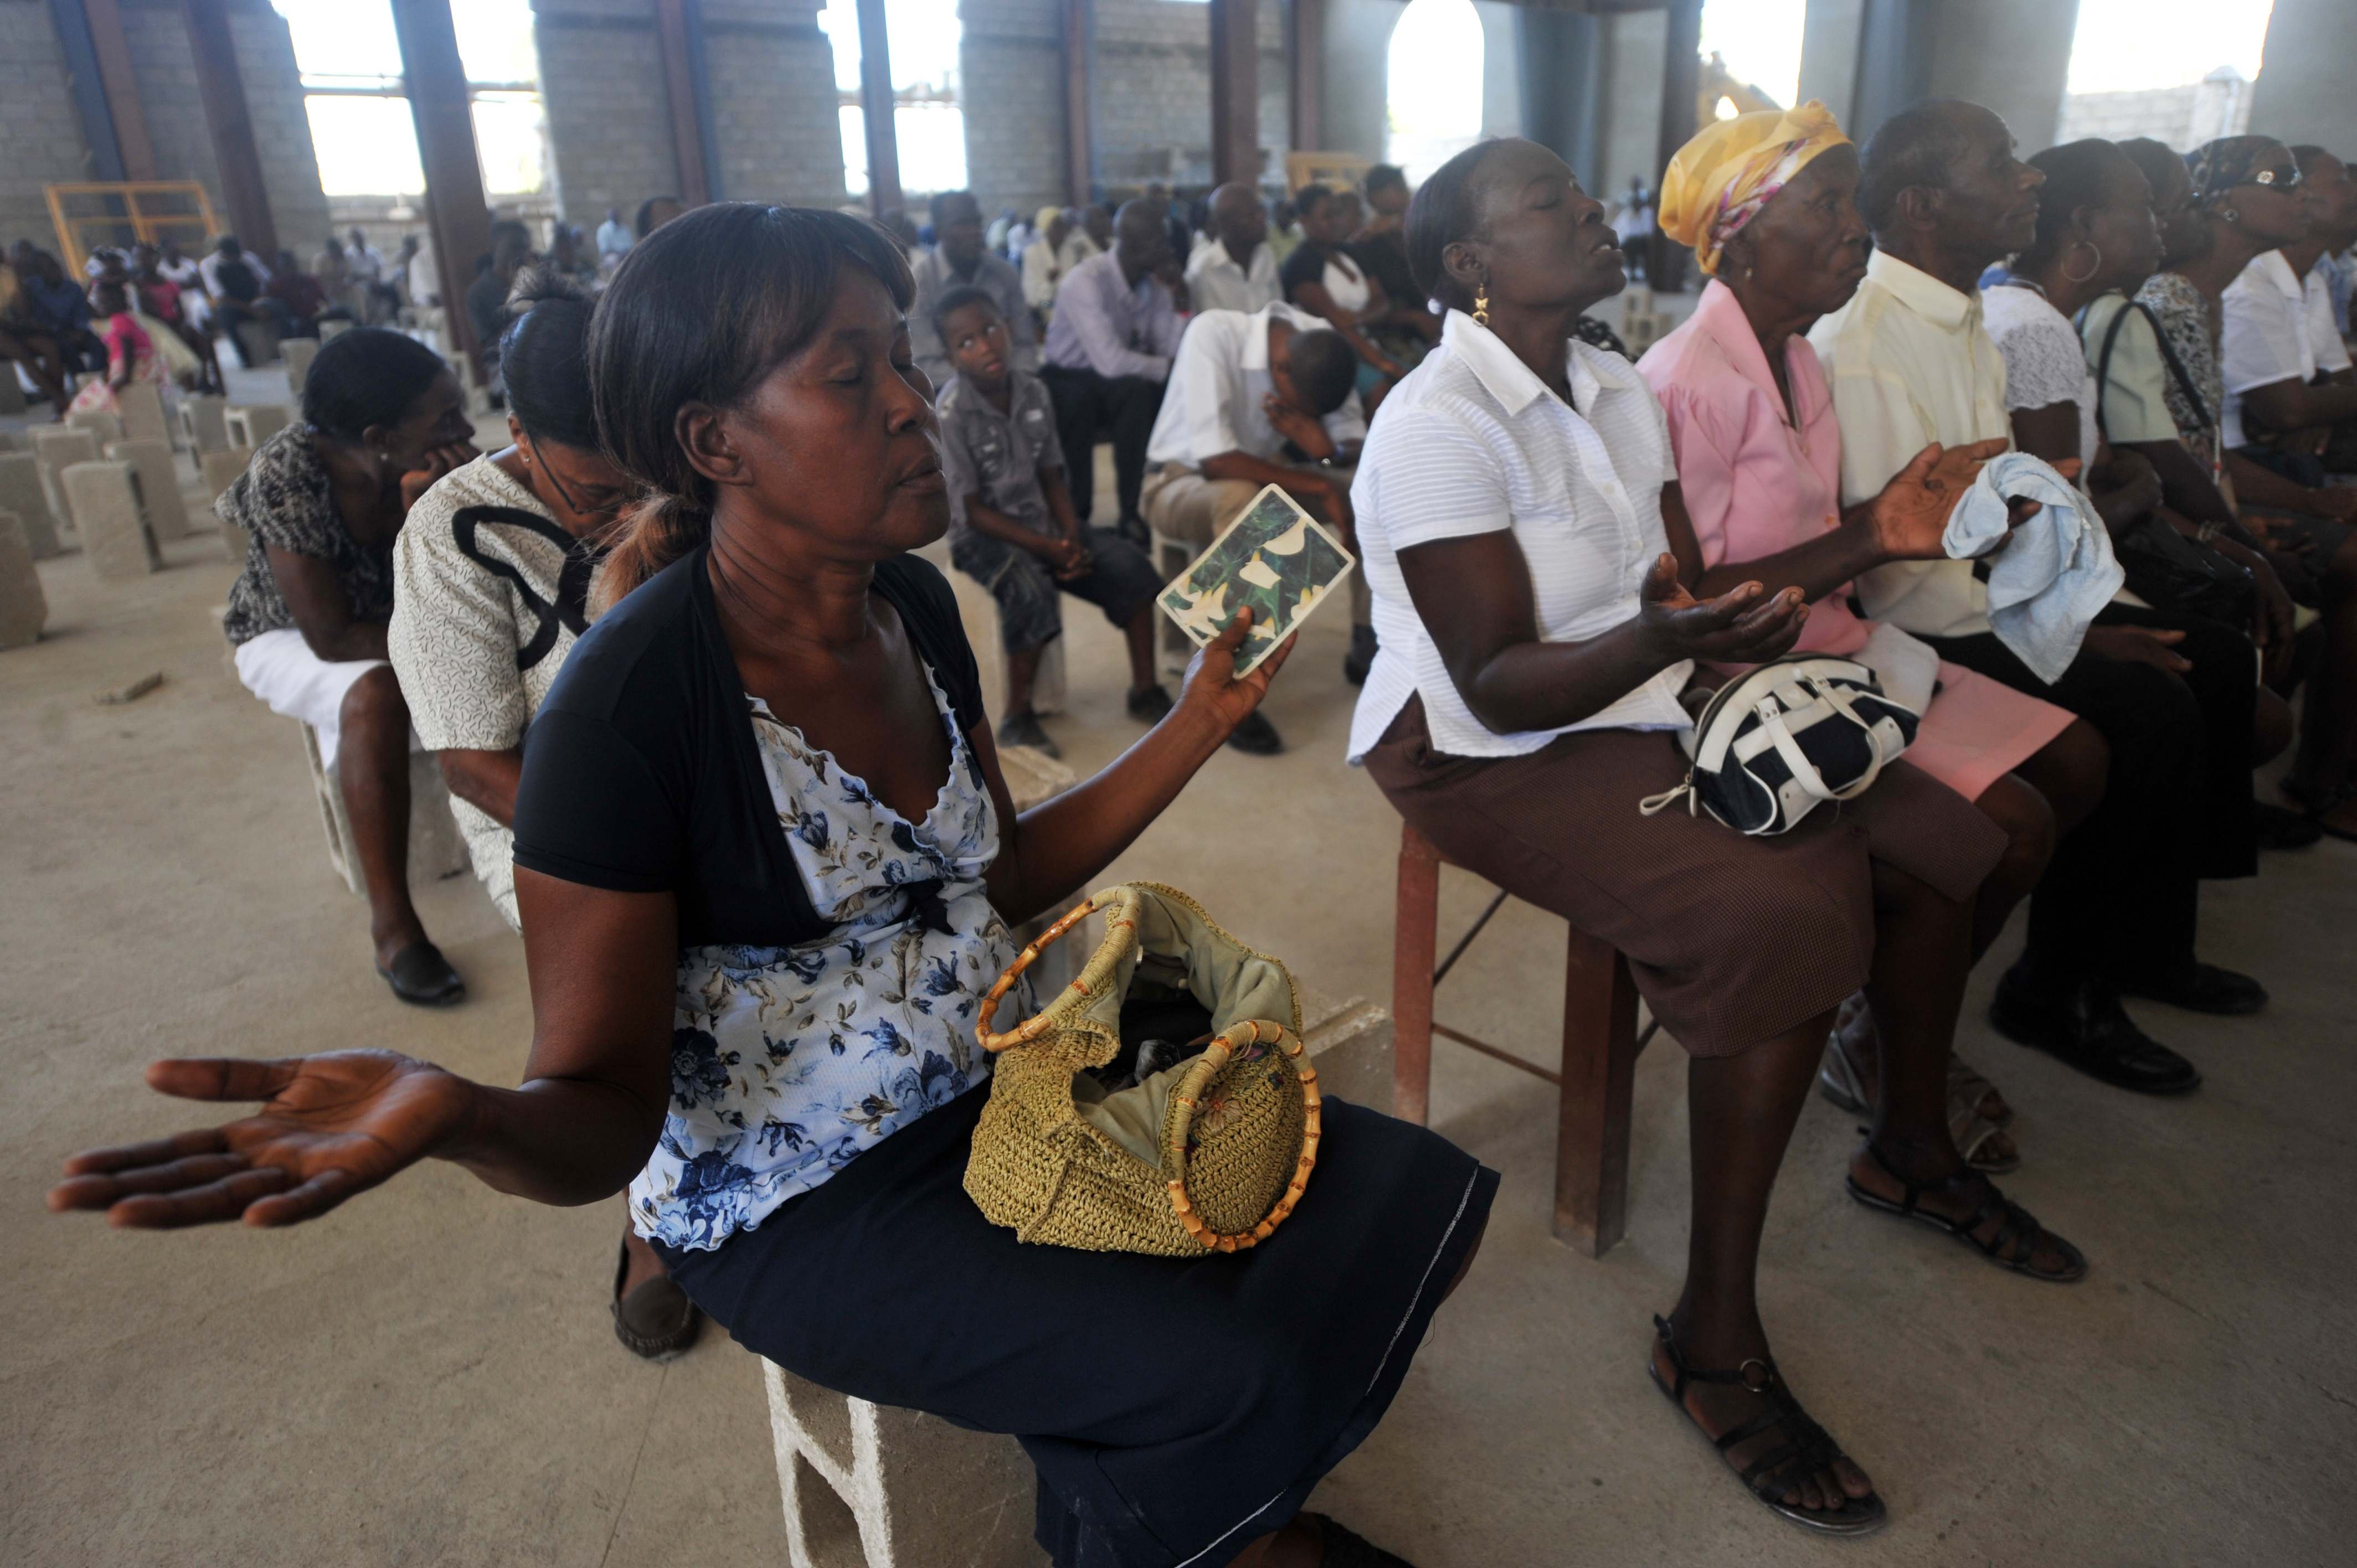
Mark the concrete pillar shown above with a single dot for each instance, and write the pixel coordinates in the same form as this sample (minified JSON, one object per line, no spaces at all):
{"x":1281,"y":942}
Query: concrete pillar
{"x":59,"y":447}
{"x":299,"y":352}
{"x":876,"y":110}
{"x":1235,"y":91}
{"x":24,"y":608}
{"x":251,"y":425}
{"x":2014,"y":57}
{"x":106,"y":512}
{"x":159,"y":486}
{"x":204,"y":422}
{"x":220,"y":471}
{"x":142,"y":409}
{"x":228,"y":117}
{"x":23,"y":495}
{"x":101,"y":425}
{"x":2304,"y":95}
{"x":1830,"y":35}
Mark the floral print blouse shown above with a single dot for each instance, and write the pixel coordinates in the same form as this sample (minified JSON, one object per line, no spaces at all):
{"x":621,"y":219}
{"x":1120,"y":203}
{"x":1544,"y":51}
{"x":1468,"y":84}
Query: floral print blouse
{"x":789,"y":1063}
{"x":2186,"y":322}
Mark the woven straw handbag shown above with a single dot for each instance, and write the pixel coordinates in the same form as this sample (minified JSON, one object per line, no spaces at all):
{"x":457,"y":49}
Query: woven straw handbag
{"x":1208,"y":1154}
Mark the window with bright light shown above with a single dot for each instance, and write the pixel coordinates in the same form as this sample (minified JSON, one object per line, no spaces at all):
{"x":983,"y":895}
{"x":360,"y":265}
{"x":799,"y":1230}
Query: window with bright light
{"x":2129,"y":46}
{"x":1435,"y":86}
{"x":1758,"y":41}
{"x":361,"y":127}
{"x":928,"y":119}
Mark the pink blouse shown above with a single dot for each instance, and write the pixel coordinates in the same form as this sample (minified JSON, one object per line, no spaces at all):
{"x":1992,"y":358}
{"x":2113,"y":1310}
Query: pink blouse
{"x":1754,"y":485}
{"x":1757,"y":486}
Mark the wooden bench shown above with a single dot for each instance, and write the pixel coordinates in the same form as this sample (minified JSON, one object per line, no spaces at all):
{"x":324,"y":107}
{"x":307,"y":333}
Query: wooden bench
{"x":1600,"y":1043}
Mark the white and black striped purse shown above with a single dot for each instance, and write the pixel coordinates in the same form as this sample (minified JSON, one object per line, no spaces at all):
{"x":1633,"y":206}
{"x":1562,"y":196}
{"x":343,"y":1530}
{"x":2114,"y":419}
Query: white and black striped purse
{"x":1776,"y":741}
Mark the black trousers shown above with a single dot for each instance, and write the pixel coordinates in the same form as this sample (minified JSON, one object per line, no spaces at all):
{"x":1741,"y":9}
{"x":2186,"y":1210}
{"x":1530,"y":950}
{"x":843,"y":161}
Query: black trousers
{"x":1090,"y":407}
{"x":2120,"y":898}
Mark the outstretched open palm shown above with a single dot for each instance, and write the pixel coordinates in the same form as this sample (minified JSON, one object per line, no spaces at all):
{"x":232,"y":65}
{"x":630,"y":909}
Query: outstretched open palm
{"x":331,"y":1126}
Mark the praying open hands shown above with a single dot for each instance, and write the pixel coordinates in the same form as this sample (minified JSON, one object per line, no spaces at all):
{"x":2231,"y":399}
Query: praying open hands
{"x":330,"y":1126}
{"x":1909,"y":518}
{"x":1745,"y":625}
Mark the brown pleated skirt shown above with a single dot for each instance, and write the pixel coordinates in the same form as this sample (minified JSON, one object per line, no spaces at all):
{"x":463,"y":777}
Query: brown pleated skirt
{"x":1731,"y":940}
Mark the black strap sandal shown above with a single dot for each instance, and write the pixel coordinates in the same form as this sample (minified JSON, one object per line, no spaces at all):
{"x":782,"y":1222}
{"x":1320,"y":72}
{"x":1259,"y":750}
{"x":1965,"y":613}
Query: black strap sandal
{"x":422,"y":977}
{"x":2012,"y":1245}
{"x":1774,"y":1477}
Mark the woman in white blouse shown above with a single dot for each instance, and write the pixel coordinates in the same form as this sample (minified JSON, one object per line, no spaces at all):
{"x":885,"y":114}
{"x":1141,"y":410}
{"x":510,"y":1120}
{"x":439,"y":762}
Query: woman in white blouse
{"x":1535,"y":642}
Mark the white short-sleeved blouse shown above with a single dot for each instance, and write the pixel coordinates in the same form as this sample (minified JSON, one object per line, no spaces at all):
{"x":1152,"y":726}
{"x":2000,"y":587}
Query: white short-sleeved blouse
{"x":1472,"y":442}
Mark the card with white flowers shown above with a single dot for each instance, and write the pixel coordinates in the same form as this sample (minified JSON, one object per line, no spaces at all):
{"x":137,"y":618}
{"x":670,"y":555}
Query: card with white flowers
{"x":1275,"y":560}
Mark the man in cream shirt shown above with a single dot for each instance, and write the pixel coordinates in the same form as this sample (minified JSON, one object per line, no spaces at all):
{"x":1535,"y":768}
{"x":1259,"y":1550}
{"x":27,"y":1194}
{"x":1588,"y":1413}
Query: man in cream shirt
{"x":1910,"y":363}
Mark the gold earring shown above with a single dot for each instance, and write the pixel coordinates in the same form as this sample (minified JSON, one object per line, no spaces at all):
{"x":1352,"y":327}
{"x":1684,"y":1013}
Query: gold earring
{"x":1482,"y":307}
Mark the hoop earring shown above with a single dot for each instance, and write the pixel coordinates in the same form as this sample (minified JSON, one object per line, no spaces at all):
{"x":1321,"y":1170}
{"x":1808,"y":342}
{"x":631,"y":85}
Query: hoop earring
{"x":1482,"y":307}
{"x":2077,"y":277}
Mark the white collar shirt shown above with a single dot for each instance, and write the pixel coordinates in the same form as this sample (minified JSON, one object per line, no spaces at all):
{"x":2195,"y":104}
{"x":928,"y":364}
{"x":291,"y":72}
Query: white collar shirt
{"x":2324,"y":338}
{"x":1214,"y":281}
{"x":1910,"y":362}
{"x":1212,"y":402}
{"x":2262,"y":335}
{"x":1472,"y":442}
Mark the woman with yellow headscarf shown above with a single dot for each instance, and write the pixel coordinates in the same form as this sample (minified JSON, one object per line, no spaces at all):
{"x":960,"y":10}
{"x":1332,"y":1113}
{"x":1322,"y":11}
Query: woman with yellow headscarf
{"x":1768,"y":201}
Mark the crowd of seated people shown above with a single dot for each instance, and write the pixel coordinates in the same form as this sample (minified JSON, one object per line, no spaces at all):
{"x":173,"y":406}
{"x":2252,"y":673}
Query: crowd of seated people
{"x":685,"y":609}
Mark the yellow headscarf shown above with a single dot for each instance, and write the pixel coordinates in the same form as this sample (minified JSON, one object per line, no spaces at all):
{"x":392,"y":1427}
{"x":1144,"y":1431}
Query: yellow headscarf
{"x":1720,"y":180}
{"x":1047,"y":215}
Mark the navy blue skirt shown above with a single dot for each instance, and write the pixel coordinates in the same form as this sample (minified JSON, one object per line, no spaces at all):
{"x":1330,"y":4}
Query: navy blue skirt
{"x":1176,"y":1408}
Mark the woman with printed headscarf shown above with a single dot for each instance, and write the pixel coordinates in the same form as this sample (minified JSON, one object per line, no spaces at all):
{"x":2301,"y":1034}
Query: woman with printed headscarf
{"x":1768,"y":201}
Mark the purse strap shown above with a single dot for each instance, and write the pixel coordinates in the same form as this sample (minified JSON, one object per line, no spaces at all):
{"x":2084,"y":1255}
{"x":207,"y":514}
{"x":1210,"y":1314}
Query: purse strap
{"x":2168,"y":356}
{"x":1248,"y":1032}
{"x":1037,"y":1024}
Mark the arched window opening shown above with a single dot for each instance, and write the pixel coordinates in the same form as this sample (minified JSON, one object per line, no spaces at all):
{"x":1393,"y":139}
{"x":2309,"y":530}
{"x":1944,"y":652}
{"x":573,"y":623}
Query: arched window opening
{"x":1434,"y":85}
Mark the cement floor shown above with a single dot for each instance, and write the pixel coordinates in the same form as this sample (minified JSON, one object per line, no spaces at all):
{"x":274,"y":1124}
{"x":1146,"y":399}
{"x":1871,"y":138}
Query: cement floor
{"x":429,"y":1377}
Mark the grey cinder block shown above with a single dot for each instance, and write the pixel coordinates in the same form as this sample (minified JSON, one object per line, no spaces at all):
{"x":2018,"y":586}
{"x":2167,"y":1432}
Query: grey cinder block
{"x":107,"y":514}
{"x":22,"y":492}
{"x":24,"y":608}
{"x":159,"y":486}
{"x":251,"y":425}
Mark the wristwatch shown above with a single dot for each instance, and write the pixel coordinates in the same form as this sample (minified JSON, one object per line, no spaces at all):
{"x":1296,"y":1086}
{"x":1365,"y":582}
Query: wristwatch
{"x":2206,"y":533}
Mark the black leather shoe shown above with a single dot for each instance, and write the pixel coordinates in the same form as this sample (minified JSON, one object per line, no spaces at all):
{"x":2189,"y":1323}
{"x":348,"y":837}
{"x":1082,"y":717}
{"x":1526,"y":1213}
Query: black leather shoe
{"x":422,"y":977}
{"x":2201,"y":988}
{"x":655,"y":1321}
{"x":2085,"y":1027}
{"x":2279,"y":829}
{"x":1256,"y":736}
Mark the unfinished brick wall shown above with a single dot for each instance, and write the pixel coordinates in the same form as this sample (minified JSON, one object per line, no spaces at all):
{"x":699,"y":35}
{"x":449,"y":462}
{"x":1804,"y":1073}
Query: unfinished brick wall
{"x":1011,"y":74}
{"x":39,"y":134}
{"x":772,"y":84}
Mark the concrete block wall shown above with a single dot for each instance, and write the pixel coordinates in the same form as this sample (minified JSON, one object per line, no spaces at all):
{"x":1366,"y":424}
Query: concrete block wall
{"x":40,"y":137}
{"x":2303,"y":92}
{"x":1011,"y":76}
{"x":282,"y":130}
{"x":601,"y":86}
{"x":773,"y":98}
{"x":1153,"y":89}
{"x":773,"y":102}
{"x":2013,"y":56}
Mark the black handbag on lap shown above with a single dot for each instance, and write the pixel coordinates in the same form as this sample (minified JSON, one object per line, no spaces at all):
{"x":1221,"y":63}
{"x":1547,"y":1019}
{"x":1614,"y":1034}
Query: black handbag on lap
{"x":2165,"y":569}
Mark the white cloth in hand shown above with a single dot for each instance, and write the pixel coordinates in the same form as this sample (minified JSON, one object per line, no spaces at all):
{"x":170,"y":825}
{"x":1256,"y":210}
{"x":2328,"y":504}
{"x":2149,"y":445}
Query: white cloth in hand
{"x":2052,"y":573}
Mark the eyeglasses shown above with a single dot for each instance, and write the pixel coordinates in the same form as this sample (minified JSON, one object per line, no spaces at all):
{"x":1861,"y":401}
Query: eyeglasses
{"x":2274,"y":179}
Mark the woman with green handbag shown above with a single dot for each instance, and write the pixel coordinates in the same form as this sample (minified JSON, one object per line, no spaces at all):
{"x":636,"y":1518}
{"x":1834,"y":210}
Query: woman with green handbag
{"x":766,"y":862}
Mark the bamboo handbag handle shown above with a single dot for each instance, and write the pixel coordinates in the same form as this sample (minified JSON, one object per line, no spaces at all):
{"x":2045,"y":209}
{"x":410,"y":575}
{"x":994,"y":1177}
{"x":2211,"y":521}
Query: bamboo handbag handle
{"x":1215,"y":1057}
{"x":1033,"y":1028}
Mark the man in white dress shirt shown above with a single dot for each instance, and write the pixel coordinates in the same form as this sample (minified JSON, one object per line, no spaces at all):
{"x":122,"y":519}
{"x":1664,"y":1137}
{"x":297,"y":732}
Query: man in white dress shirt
{"x":2285,"y":367}
{"x":1233,"y":268}
{"x":1910,"y":363}
{"x":1269,"y":398}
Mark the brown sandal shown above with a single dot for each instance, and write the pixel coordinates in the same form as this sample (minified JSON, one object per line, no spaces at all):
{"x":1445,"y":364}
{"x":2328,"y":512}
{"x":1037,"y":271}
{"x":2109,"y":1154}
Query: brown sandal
{"x":655,"y":1321}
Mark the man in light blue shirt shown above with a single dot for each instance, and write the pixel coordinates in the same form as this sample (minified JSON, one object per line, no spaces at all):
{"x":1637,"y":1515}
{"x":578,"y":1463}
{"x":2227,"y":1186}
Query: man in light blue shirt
{"x":613,"y":235}
{"x":1108,"y":355}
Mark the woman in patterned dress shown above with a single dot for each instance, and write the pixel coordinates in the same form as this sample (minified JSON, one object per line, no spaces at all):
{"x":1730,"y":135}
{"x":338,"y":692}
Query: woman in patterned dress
{"x":765,"y":861}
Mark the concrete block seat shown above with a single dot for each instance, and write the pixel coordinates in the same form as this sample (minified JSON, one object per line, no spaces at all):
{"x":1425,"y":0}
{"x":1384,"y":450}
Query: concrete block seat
{"x":102,"y":426}
{"x":204,"y":422}
{"x":23,"y":494}
{"x":251,"y":425}
{"x":299,"y":353}
{"x":56,"y":448}
{"x":24,"y":608}
{"x":159,"y":486}
{"x":111,"y":519}
{"x":141,"y":408}
{"x":869,"y":1486}
{"x":437,"y":847}
{"x":1600,"y":1043}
